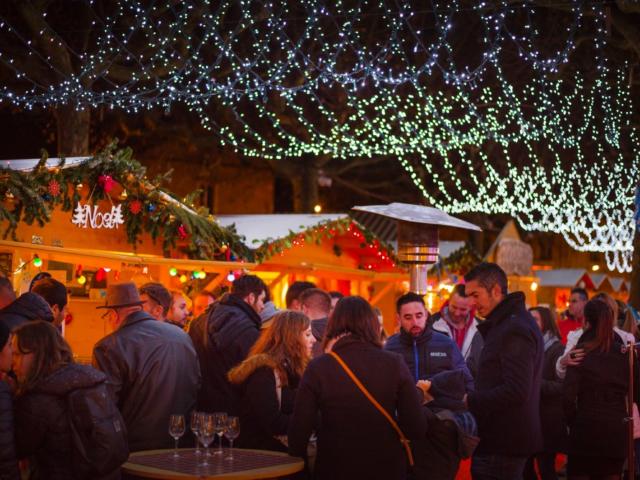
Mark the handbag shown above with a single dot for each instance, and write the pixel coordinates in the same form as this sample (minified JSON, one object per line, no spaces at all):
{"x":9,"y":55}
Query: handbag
{"x":403,"y":440}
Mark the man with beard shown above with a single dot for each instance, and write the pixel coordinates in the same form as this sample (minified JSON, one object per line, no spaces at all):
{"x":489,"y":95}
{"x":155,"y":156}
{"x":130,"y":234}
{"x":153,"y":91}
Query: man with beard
{"x":437,"y":367}
{"x":232,"y":327}
{"x":456,"y":320}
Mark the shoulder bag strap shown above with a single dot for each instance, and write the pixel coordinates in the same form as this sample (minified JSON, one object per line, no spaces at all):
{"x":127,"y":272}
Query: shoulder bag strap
{"x":404,"y":440}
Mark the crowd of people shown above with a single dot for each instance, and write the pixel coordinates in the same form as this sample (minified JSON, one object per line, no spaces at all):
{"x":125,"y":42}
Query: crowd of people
{"x":486,"y":378}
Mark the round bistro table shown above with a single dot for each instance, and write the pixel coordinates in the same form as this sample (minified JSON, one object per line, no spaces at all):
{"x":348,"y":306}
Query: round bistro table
{"x":246,"y":464}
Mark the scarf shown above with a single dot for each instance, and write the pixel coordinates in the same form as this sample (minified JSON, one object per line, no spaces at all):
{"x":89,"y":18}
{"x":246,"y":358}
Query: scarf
{"x":549,"y":339}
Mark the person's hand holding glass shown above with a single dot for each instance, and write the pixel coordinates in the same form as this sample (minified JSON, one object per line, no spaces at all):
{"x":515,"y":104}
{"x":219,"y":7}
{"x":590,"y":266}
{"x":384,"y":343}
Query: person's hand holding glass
{"x":176,"y":430}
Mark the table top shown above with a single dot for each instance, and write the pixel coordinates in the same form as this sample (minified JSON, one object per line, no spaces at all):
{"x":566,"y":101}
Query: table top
{"x":245,"y":465}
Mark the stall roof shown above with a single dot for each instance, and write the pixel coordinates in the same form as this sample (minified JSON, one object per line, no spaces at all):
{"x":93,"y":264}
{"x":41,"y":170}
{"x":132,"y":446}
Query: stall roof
{"x":562,"y":277}
{"x":598,"y":279}
{"x":26,"y":164}
{"x":618,"y":283}
{"x":258,"y":229}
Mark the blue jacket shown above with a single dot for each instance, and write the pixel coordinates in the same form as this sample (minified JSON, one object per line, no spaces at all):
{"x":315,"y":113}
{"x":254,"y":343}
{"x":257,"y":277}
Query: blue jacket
{"x":434,"y":356}
{"x":506,"y":402}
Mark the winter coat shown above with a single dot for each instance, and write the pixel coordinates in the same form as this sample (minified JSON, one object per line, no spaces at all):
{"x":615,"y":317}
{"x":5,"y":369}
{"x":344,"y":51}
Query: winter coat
{"x":43,"y":430}
{"x":428,"y":357}
{"x":354,"y":439}
{"x":8,"y":460}
{"x":506,"y":402}
{"x":232,"y":329}
{"x":472,"y":345}
{"x":28,"y":306}
{"x":318,"y":327}
{"x":263,"y":414}
{"x":552,"y":418}
{"x":153,"y":372}
{"x":595,"y":403}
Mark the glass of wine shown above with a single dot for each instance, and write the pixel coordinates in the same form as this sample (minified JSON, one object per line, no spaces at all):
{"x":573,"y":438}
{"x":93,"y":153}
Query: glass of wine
{"x":207,"y":432}
{"x":231,"y":432}
{"x":176,"y":430}
{"x":220,"y":420}
{"x":195,"y":428}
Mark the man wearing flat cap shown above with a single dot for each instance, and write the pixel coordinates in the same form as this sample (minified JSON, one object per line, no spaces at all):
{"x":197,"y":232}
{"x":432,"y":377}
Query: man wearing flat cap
{"x":152,"y":368}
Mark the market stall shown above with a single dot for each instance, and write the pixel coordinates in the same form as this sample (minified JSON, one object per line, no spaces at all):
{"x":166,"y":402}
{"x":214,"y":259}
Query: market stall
{"x":97,"y":220}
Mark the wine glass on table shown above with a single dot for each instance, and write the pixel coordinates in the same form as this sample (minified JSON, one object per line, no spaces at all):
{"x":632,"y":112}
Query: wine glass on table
{"x":207,"y":432}
{"x":176,"y":430}
{"x":195,"y":429}
{"x":231,"y":432}
{"x":220,"y":420}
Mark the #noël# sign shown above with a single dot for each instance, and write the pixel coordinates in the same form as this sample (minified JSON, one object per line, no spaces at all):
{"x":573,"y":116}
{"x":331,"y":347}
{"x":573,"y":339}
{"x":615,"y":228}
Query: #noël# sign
{"x":85,"y":216}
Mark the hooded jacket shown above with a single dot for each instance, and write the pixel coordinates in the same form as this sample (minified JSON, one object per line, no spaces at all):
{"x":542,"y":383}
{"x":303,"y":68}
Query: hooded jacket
{"x":28,"y":306}
{"x":264,"y":412}
{"x":43,"y":425}
{"x":153,"y":372}
{"x":506,"y":402}
{"x":434,"y":356}
{"x":232,"y":329}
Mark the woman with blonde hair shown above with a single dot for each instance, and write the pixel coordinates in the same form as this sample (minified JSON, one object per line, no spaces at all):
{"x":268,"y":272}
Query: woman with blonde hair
{"x":268,"y":378}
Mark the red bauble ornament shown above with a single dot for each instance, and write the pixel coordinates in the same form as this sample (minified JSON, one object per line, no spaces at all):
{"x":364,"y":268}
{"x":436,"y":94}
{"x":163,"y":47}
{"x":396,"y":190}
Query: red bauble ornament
{"x":106,"y":182}
{"x":54,"y":188}
{"x":182,"y":232}
{"x":135,"y":207}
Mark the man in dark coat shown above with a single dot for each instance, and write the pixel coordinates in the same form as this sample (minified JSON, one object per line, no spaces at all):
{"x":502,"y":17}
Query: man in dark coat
{"x":434,"y":357}
{"x":28,"y":306}
{"x":506,"y":401}
{"x":316,"y":304}
{"x":233,"y":326}
{"x":152,"y":369}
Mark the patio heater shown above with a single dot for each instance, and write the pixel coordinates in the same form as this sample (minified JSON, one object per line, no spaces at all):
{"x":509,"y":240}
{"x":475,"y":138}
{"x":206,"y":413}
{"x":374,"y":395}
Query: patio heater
{"x":414,"y":228}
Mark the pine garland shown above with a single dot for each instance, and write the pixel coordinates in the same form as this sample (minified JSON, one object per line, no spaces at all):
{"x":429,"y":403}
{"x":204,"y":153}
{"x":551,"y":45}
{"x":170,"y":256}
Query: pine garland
{"x":26,"y":197}
{"x":316,"y":234}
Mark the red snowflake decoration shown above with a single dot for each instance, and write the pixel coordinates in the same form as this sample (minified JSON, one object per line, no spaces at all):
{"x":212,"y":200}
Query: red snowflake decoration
{"x":182,"y":232}
{"x":106,"y":182}
{"x":135,"y":207}
{"x":54,"y":188}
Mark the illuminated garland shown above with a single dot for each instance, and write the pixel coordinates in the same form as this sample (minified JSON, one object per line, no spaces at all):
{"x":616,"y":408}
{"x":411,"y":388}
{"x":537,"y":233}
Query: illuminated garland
{"x":28,"y":197}
{"x":192,"y":51}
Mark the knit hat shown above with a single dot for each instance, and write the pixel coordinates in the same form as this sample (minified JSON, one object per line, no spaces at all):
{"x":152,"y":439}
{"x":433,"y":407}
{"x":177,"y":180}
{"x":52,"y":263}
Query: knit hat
{"x":4,"y":334}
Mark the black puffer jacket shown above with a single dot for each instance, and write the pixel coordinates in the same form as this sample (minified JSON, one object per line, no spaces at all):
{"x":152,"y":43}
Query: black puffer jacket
{"x":42,"y":424}
{"x":232,"y":329}
{"x":28,"y":306}
{"x":8,"y":461}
